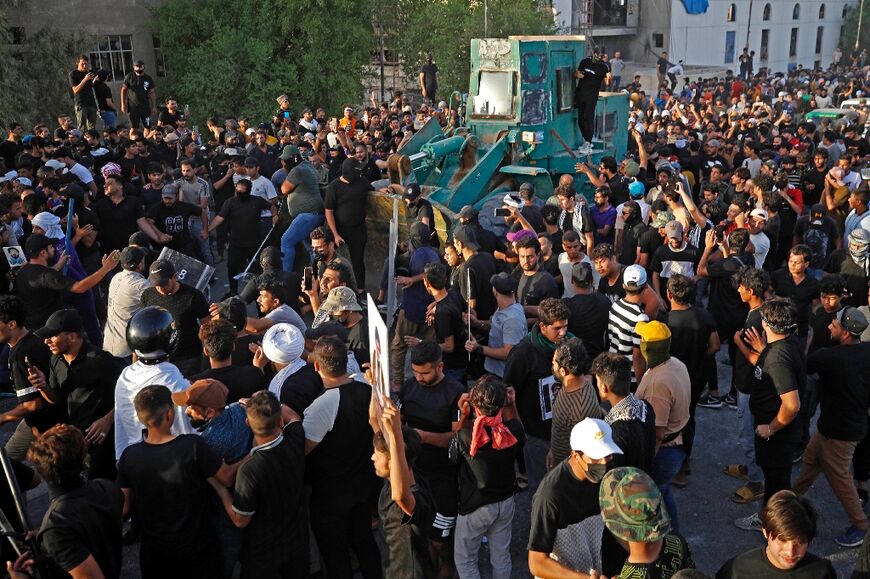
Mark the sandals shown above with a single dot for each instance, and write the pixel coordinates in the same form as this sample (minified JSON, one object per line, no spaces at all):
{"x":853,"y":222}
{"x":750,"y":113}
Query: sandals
{"x":738,"y":471}
{"x":748,"y":493}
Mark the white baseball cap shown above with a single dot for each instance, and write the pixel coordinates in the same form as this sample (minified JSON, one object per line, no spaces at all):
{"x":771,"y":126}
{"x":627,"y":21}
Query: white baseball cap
{"x":594,"y":438}
{"x":634,"y":274}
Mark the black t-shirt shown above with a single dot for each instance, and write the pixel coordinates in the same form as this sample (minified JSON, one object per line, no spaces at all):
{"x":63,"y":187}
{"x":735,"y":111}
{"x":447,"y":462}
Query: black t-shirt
{"x":167,"y":118}
{"x":348,"y":201}
{"x":618,"y":189}
{"x":243,"y":220}
{"x":630,"y":239}
{"x":561,"y":500}
{"x":84,"y":522}
{"x":187,"y":307}
{"x":301,"y":388}
{"x":820,"y":319}
{"x":743,"y":370}
{"x":756,"y":565}
{"x":855,"y":277}
{"x":407,"y":537}
{"x":104,"y":94}
{"x":431,"y":409}
{"x":358,"y":341}
{"x":42,"y":290}
{"x":173,"y":221}
{"x":614,"y":292}
{"x":488,"y":476}
{"x":594,"y":72}
{"x":666,"y":261}
{"x":39,"y":355}
{"x":87,"y":385}
{"x":690,"y":335}
{"x":481,"y":266}
{"x":821,"y":239}
{"x":241,"y":381}
{"x":430,"y":78}
{"x":269,"y":488}
{"x":637,"y":439}
{"x":122,"y":217}
{"x":533,"y":289}
{"x":170,"y":492}
{"x":529,"y":369}
{"x":138,"y":88}
{"x":725,"y":303}
{"x":85,"y":97}
{"x":844,"y":392}
{"x":448,"y":322}
{"x":649,"y":242}
{"x":532,"y":214}
{"x":801,"y":295}
{"x":588,"y":319}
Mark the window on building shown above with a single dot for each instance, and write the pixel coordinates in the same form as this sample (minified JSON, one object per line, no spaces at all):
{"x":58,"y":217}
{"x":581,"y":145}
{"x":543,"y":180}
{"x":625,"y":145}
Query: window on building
{"x":845,"y":11}
{"x":820,"y":33}
{"x":732,"y":13}
{"x":610,"y":13}
{"x":765,"y":43}
{"x":730,"y":44}
{"x":159,"y":61}
{"x":822,"y":12}
{"x":659,"y":40}
{"x":796,"y":12}
{"x":114,"y":53}
{"x":792,"y":47}
{"x":765,"y":15}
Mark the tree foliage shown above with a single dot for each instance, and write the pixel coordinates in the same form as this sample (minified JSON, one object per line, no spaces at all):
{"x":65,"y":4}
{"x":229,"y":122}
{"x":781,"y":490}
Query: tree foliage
{"x":445,"y":28}
{"x":850,"y":29}
{"x":34,"y":69}
{"x":237,"y":58}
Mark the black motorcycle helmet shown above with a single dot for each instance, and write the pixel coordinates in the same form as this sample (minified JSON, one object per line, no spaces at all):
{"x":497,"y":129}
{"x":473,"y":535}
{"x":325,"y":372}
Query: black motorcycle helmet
{"x":152,"y":334}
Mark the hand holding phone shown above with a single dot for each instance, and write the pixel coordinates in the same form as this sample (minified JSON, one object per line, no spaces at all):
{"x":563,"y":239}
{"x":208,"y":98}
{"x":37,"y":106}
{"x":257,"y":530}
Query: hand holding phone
{"x":307,"y":278}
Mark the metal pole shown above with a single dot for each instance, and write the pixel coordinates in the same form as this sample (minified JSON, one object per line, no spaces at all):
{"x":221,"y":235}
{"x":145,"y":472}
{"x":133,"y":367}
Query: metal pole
{"x":486,"y":18}
{"x":748,"y":26}
{"x":860,"y":15}
{"x":381,"y":38}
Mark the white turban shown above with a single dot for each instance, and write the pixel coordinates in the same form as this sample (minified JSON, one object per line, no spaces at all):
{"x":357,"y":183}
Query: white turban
{"x":283,"y":344}
{"x":49,"y":223}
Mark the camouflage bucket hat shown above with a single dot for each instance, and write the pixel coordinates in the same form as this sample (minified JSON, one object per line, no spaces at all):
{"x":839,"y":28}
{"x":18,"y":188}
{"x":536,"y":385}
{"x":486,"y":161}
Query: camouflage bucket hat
{"x":632,"y":506}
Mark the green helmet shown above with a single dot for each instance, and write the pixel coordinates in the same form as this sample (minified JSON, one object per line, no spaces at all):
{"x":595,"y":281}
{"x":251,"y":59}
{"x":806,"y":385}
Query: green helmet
{"x":632,"y":506}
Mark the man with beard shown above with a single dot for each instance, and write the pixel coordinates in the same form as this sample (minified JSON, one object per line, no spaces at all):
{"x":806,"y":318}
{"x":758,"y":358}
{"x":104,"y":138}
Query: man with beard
{"x":171,"y":217}
{"x":410,"y":327}
{"x":535,"y":285}
{"x":138,"y":97}
{"x":633,"y":230}
{"x":42,"y":288}
{"x":343,"y":307}
{"x":325,"y":250}
{"x":274,"y":309}
{"x":242,"y":214}
{"x":529,"y":370}
{"x":428,"y":402}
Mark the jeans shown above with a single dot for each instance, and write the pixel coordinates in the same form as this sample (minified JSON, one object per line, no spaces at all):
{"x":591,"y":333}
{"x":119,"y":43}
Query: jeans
{"x":535,"y":458}
{"x":746,"y":433}
{"x":203,"y":245}
{"x":457,"y":374}
{"x":398,"y":348}
{"x":299,"y":230}
{"x":614,"y":85}
{"x":666,"y":464}
{"x":493,"y":520}
{"x":109,"y":118}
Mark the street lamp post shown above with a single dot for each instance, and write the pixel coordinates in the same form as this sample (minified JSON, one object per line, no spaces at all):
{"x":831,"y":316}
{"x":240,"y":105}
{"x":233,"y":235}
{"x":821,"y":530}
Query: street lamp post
{"x":860,"y":15}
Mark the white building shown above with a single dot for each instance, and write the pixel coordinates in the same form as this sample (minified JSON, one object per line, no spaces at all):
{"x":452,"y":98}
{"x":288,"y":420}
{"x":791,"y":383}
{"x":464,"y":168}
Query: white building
{"x":783,"y":33}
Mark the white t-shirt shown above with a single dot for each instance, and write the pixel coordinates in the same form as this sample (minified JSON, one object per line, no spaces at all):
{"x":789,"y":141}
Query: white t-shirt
{"x":566,"y":269}
{"x":644,"y":213}
{"x":762,"y":245}
{"x":262,"y":187}
{"x":135,"y":377}
{"x":286,"y":314}
{"x":125,"y":299}
{"x":320,"y":415}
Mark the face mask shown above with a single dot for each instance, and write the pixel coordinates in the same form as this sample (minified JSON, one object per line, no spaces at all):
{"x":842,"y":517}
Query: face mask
{"x":320,"y":255}
{"x":199,"y":423}
{"x":341,"y":319}
{"x":596,"y":472}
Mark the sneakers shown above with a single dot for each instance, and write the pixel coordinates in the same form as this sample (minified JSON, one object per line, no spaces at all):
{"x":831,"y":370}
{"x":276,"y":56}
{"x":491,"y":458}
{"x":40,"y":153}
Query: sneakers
{"x":710,"y":401}
{"x":750,"y":523}
{"x":853,"y":537}
{"x":586,"y":148}
{"x":730,"y":400}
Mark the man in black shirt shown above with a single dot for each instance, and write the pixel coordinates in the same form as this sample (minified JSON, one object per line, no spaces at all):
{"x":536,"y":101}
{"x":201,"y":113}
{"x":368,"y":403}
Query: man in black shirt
{"x":844,"y":369}
{"x":591,"y":72}
{"x":138,"y":97}
{"x":631,"y":234}
{"x":171,"y":217}
{"x":569,"y":495}
{"x":535,"y":285}
{"x":81,"y":82}
{"x":121,"y":217}
{"x":795,"y":283}
{"x":589,"y":310}
{"x":82,"y":380}
{"x":269,"y":498}
{"x":42,"y":288}
{"x":218,"y":342}
{"x":81,"y":532}
{"x":345,"y":204}
{"x":478,"y":267}
{"x":429,"y":403}
{"x":775,"y":399}
{"x":166,"y":480}
{"x":418,"y":209}
{"x":449,"y":327}
{"x":429,"y":79}
{"x":188,"y":307}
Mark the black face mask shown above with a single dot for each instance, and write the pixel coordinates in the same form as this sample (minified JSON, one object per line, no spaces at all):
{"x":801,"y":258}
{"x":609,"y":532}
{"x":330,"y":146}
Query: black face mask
{"x":594,"y":472}
{"x":320,"y":255}
{"x":200,"y":423}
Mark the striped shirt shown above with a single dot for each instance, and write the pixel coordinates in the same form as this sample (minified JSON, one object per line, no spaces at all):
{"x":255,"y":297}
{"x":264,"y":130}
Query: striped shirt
{"x":621,"y":336}
{"x":569,"y":409}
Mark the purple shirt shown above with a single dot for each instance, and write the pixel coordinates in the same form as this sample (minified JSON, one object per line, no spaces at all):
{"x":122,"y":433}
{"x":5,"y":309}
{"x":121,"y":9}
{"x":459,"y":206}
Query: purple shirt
{"x":600,"y":219}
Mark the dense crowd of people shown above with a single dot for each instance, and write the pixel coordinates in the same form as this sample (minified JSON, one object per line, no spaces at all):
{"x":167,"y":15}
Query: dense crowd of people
{"x":564,"y":355}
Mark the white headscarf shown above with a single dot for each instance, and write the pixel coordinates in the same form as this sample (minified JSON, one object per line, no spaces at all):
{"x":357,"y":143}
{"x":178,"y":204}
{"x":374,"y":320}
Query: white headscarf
{"x":49,"y":223}
{"x":283,"y":344}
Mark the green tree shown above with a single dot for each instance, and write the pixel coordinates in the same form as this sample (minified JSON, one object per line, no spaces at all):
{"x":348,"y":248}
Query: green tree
{"x":850,"y":30}
{"x":445,"y":29}
{"x":34,"y":69}
{"x":236,"y":59}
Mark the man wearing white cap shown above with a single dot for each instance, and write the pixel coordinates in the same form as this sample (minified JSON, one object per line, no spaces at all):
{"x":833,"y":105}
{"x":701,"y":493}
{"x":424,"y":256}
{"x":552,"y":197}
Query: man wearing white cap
{"x":624,"y":316}
{"x":758,"y":219}
{"x":283,"y":345}
{"x":569,"y":495}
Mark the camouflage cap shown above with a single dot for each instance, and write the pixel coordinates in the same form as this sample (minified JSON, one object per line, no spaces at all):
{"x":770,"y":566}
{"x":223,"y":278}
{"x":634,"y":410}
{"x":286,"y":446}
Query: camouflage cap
{"x":632,"y":506}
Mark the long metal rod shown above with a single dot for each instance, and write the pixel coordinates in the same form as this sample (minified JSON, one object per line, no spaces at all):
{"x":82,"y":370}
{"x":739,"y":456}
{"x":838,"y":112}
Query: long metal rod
{"x":860,"y":16}
{"x":256,"y":254}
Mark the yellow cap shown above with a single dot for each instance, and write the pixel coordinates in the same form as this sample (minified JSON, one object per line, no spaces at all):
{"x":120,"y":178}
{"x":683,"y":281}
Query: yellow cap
{"x":652,"y":331}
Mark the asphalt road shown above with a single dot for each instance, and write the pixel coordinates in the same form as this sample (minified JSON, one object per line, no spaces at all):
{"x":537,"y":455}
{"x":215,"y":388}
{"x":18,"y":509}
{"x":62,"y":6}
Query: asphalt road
{"x":706,"y":514}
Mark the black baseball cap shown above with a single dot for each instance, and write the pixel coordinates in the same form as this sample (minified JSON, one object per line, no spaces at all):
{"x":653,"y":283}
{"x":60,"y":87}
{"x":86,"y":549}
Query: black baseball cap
{"x":161,"y":272}
{"x":131,"y":257}
{"x":504,"y":283}
{"x":412,"y":191}
{"x":35,"y":244}
{"x":234,"y":311}
{"x":61,"y":321}
{"x":466,"y":236}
